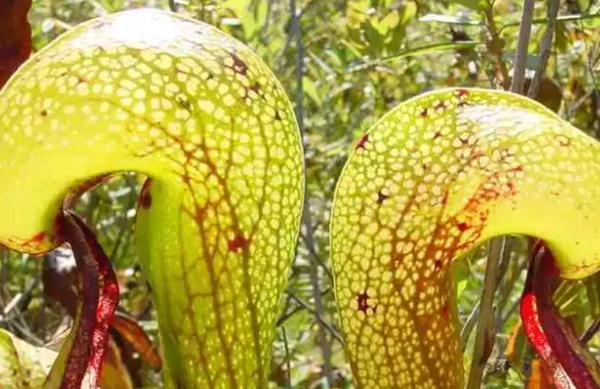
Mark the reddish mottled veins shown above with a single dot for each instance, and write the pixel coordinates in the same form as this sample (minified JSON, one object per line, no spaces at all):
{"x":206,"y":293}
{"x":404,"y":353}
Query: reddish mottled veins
{"x":516,"y":169}
{"x":564,"y":141}
{"x":362,"y":142}
{"x":363,"y":302}
{"x":238,"y":243}
{"x":185,"y":177}
{"x":178,"y":118}
{"x":256,"y":89}
{"x":445,"y":311}
{"x":239,"y":66}
{"x":381,"y":197}
{"x":397,"y":260}
{"x":462,"y":226}
{"x":462,"y":93}
{"x":451,"y":174}
{"x":200,"y":213}
{"x":36,"y":239}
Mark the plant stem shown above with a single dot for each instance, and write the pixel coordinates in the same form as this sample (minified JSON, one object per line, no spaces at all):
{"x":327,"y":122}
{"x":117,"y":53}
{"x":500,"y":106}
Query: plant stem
{"x":484,"y":340}
{"x":522,"y":46}
{"x":494,"y":45}
{"x":467,"y":328}
{"x":545,"y":47}
{"x":307,"y":224}
{"x":288,"y":364}
{"x":335,"y":333}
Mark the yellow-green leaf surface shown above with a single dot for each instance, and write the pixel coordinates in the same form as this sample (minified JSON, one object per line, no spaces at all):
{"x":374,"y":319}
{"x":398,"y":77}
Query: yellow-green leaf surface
{"x":204,"y":118}
{"x":437,"y":176}
{"x":22,"y":366}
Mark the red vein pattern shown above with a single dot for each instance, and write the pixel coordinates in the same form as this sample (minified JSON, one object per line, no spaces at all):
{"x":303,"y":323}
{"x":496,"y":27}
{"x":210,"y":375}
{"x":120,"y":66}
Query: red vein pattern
{"x":436,"y":177}
{"x":200,"y":114}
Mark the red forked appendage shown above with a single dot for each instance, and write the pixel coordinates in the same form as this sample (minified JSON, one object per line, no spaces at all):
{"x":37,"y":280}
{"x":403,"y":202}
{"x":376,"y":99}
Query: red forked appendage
{"x":569,"y":361}
{"x":99,"y":293}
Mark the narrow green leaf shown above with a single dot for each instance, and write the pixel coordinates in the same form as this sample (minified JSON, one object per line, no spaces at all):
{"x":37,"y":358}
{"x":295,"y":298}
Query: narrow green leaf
{"x":563,"y":18}
{"x":462,"y":20}
{"x":432,"y":49}
{"x":261,"y":12}
{"x":424,"y":50}
{"x":460,"y":274}
{"x":311,"y":90}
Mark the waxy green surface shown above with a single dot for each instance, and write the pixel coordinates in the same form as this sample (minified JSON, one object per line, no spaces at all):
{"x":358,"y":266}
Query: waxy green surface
{"x":203,"y":117}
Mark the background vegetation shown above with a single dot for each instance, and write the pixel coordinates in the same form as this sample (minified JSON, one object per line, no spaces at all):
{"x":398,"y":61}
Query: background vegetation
{"x":344,"y":64}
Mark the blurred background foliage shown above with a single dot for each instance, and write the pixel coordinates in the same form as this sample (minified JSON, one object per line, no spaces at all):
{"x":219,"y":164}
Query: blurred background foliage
{"x":344,"y":64}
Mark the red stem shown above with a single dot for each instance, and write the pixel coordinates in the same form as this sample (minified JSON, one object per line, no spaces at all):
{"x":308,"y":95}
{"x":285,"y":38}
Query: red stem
{"x":569,"y":361}
{"x":99,"y":297}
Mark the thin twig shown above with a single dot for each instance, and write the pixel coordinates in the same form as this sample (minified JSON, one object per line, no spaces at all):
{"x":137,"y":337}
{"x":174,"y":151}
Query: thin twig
{"x":307,"y":223}
{"x":288,"y":314}
{"x":504,"y":286}
{"x":288,"y":364}
{"x":334,"y":332}
{"x":467,"y":328}
{"x":523,"y":44}
{"x":484,"y":340}
{"x":590,"y":332}
{"x":26,"y":333}
{"x":494,"y":45}
{"x":507,"y":287}
{"x":545,"y":48}
{"x":316,"y":257}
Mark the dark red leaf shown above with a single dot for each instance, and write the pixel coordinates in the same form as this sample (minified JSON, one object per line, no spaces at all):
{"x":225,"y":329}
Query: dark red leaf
{"x":137,"y":337}
{"x":15,"y":36}
{"x":567,"y":359}
{"x":98,"y":297}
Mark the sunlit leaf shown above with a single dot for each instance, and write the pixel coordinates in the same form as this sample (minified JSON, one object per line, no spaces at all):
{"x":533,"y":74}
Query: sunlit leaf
{"x":432,"y":49}
{"x":311,"y":90}
{"x":114,"y":373}
{"x":23,"y":366}
{"x":460,"y":20}
{"x":261,"y":12}
{"x":562,"y":18}
{"x":460,"y":275}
